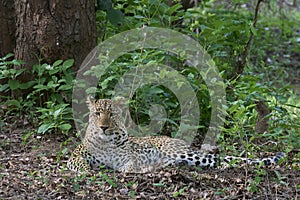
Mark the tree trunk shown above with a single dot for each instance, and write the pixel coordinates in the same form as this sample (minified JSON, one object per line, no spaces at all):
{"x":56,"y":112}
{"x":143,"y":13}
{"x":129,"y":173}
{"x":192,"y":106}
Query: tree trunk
{"x":7,"y":30}
{"x":7,"y":27}
{"x":54,"y":29}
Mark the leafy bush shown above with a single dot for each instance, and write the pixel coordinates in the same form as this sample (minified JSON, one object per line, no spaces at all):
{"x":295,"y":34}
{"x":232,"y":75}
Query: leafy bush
{"x":223,"y":30}
{"x":52,"y":83}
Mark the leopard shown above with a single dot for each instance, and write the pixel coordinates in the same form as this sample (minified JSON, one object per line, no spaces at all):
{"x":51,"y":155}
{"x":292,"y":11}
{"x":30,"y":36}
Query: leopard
{"x":107,"y":144}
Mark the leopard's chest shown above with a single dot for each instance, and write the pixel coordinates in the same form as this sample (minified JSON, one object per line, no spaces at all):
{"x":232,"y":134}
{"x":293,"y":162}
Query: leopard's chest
{"x":110,"y":156}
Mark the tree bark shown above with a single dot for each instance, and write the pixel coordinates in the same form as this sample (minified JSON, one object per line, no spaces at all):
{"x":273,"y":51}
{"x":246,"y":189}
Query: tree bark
{"x":7,"y":30}
{"x":7,"y":27}
{"x":54,"y":29}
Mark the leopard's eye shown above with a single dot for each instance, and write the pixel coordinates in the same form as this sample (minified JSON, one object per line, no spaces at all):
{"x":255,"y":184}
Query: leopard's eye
{"x":97,"y":113}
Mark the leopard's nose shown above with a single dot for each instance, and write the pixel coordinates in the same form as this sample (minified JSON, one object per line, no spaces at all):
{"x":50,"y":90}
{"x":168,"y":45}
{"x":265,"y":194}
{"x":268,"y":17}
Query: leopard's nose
{"x":103,"y":128}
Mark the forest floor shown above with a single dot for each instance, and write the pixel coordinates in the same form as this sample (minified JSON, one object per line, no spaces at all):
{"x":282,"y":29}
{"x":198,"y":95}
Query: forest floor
{"x":36,"y":170}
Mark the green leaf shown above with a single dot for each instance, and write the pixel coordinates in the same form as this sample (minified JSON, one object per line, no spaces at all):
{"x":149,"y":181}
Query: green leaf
{"x":5,"y":73}
{"x":17,"y":62}
{"x":115,"y":17}
{"x":13,"y":84}
{"x":4,"y":87}
{"x":51,"y":84}
{"x":68,"y":63}
{"x":132,"y":194}
{"x":64,"y":151}
{"x":162,"y":73}
{"x":104,"y":84}
{"x":109,"y":181}
{"x":156,"y":91}
{"x":56,"y":63}
{"x":174,"y":8}
{"x":7,"y":56}
{"x":14,"y":102}
{"x":65,"y":127}
{"x":139,"y":17}
{"x":65,"y":87}
{"x":40,"y":87}
{"x":45,"y":127}
{"x":54,"y":71}
{"x":253,"y":30}
{"x":19,"y":71}
{"x":57,"y":112}
{"x":91,"y":90}
{"x":27,"y":85}
{"x":179,"y":84}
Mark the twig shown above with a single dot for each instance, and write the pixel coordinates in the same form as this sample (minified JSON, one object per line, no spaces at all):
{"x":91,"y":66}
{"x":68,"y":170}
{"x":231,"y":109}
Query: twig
{"x":239,"y":69}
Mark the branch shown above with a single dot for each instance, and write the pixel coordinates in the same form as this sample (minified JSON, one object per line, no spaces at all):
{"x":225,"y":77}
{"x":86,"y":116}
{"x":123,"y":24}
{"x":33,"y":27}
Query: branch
{"x":239,"y":69}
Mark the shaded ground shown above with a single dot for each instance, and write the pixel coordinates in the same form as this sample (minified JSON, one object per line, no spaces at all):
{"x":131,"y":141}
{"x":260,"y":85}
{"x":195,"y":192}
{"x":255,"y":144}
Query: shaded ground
{"x":36,"y":170}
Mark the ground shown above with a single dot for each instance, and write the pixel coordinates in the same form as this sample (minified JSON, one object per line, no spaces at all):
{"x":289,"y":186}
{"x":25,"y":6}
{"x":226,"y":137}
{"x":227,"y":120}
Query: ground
{"x":36,"y":170}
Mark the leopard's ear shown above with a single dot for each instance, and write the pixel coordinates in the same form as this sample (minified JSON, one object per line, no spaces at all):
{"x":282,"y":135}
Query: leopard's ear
{"x":90,"y":101}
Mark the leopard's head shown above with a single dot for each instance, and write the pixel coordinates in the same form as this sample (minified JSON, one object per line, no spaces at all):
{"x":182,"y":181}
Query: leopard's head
{"x":105,"y":118}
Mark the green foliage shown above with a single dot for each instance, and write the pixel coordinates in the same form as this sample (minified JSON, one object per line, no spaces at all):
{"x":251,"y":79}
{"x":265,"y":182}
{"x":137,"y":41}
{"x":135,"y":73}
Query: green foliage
{"x":108,"y":180}
{"x":257,"y":180}
{"x":55,"y":117}
{"x":126,"y":15}
{"x":52,"y":86}
{"x":180,"y":192}
{"x":53,"y":82}
{"x":148,"y":94}
{"x":9,"y":73}
{"x":224,"y":31}
{"x":242,"y":116}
